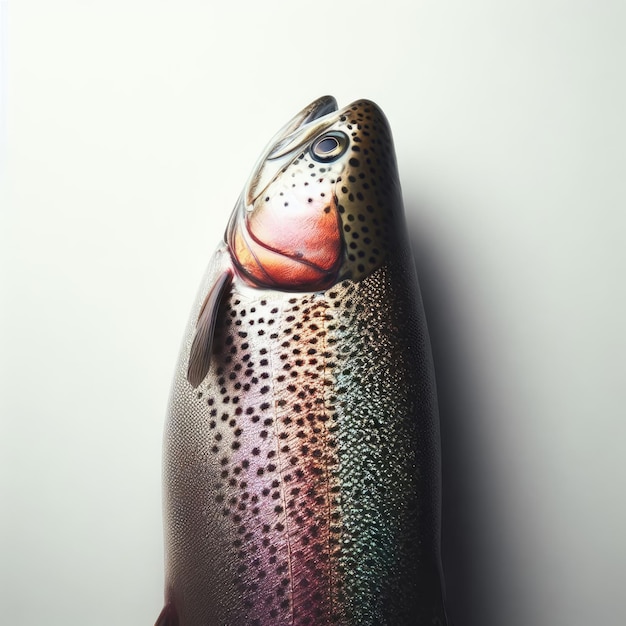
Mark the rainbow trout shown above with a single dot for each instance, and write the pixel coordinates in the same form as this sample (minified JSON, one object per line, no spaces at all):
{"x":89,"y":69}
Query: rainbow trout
{"x":301,"y":469}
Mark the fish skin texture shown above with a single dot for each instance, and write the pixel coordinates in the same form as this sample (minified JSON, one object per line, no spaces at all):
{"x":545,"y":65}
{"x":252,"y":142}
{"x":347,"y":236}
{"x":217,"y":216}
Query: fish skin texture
{"x":302,"y":473}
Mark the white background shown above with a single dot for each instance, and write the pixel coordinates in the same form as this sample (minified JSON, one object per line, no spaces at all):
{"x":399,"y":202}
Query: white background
{"x":131,"y":127}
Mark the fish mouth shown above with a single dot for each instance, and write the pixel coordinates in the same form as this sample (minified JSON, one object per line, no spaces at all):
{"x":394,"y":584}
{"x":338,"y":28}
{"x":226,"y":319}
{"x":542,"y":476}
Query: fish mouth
{"x":258,"y":262}
{"x":302,"y":127}
{"x":314,"y":111}
{"x":323,"y":203}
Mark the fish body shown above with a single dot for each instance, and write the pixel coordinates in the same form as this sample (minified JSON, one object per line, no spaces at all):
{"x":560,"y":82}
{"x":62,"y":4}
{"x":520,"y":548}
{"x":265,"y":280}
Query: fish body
{"x":301,"y":466}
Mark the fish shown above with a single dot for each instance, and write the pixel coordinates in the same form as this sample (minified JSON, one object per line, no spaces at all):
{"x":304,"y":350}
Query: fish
{"x":301,"y":448}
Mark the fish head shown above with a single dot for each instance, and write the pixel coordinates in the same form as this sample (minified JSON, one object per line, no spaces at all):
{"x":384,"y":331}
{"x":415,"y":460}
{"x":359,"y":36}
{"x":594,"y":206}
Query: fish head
{"x":323,"y":203}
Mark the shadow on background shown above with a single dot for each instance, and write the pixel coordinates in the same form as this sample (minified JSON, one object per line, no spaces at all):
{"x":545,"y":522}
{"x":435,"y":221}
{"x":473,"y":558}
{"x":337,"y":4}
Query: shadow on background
{"x":468,"y":508}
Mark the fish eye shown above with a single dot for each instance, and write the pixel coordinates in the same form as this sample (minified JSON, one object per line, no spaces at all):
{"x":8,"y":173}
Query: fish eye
{"x":329,"y":147}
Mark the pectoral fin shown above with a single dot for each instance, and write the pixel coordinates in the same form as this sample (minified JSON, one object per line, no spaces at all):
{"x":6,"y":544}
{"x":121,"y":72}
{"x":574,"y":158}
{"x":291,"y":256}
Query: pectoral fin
{"x":168,"y":617}
{"x":200,"y":355}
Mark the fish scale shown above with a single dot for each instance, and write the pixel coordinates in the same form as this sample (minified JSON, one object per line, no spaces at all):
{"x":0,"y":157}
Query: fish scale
{"x":301,"y":467}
